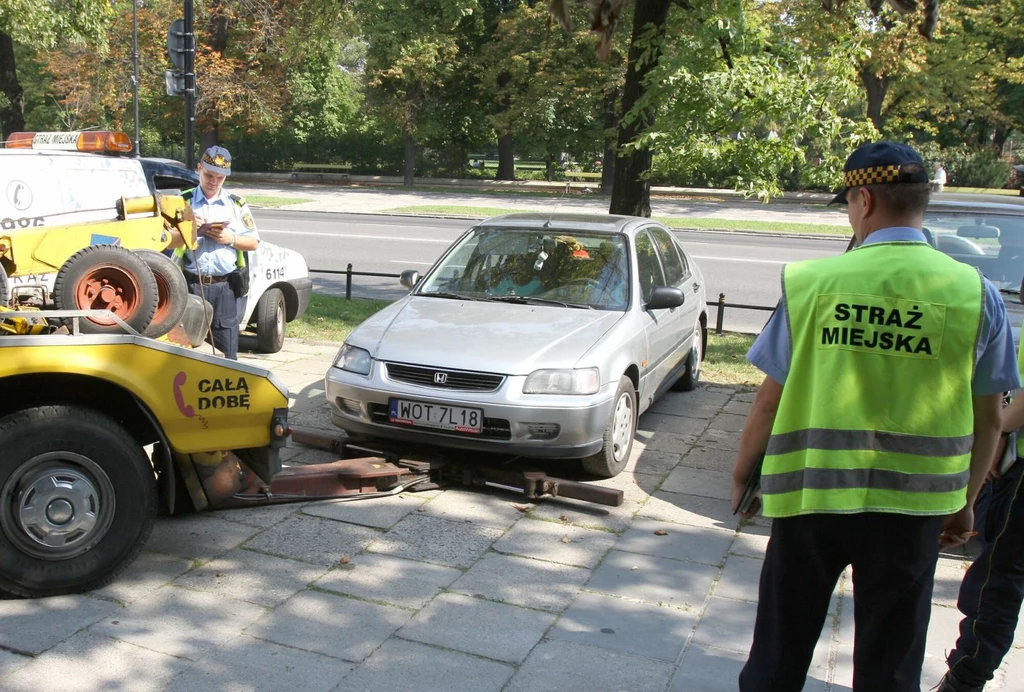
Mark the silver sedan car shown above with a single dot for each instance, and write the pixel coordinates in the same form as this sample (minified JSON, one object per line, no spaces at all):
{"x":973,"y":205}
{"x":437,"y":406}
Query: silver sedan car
{"x":534,"y":334}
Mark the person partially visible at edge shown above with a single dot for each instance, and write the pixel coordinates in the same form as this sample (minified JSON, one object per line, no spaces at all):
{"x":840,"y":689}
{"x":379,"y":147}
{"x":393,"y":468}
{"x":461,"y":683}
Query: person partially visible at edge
{"x":226,"y":230}
{"x":993,"y":588}
{"x":877,"y":419}
{"x":939,"y":179}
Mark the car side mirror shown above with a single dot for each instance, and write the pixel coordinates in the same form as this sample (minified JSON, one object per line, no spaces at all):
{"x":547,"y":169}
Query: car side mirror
{"x":409,"y":278}
{"x":665,"y":297}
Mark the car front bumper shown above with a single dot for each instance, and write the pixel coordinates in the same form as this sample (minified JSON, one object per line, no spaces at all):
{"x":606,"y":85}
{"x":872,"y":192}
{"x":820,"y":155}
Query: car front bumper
{"x":514,"y":423}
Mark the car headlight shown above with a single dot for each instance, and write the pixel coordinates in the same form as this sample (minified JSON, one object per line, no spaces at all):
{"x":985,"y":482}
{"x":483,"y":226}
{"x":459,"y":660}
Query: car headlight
{"x":582,"y":381}
{"x":353,"y":359}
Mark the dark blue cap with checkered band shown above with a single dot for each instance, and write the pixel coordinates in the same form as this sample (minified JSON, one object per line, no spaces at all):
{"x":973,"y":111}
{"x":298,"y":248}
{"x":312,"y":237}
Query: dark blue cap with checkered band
{"x":879,"y":163}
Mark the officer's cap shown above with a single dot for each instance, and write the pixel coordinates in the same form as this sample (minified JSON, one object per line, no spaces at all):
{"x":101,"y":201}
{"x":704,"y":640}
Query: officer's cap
{"x":217,"y":160}
{"x":879,"y":163}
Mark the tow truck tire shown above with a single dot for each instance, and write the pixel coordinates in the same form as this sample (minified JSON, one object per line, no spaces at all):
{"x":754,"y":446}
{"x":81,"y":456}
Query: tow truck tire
{"x":172,"y":293}
{"x":618,"y":436}
{"x":107,"y":277}
{"x":77,"y":501}
{"x":270,"y":321}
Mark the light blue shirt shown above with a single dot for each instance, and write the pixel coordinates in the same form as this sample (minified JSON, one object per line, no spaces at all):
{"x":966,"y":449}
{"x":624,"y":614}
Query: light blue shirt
{"x":217,"y":259}
{"x":995,"y":360}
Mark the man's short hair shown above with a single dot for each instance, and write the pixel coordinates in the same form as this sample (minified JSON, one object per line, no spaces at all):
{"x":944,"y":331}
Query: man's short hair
{"x":904,"y":199}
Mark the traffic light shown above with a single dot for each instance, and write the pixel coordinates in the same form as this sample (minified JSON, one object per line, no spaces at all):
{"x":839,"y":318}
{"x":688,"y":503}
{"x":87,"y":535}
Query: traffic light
{"x":175,"y":82}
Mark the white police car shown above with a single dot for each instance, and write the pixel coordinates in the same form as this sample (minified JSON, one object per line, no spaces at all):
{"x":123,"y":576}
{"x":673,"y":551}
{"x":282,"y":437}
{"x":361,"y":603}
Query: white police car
{"x":77,"y":177}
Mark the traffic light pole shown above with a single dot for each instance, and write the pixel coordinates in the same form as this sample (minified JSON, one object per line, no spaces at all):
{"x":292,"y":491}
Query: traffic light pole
{"x":190,"y":87}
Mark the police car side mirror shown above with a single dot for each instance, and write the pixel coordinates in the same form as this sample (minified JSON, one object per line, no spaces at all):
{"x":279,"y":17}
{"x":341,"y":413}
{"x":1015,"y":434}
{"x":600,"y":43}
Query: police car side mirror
{"x":665,"y":297}
{"x":409,"y":278}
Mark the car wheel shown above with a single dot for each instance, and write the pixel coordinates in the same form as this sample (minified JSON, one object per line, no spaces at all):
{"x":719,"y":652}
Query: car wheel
{"x":618,"y":435}
{"x":172,"y":293}
{"x":77,"y":501}
{"x":270,"y":321}
{"x":107,"y":277}
{"x":689,"y":379}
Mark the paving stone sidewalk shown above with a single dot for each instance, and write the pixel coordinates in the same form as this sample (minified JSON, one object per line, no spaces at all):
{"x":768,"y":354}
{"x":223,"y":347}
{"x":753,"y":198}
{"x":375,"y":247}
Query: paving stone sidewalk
{"x":454,"y":589}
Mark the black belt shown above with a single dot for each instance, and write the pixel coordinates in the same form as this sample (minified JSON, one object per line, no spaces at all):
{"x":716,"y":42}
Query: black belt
{"x":196,"y":279}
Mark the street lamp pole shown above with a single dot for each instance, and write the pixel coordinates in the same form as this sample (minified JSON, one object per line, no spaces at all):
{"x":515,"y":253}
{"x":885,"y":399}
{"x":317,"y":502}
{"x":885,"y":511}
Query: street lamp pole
{"x":135,"y":61}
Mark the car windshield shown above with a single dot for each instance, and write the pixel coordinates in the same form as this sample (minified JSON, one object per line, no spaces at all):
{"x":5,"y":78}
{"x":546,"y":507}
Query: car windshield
{"x":575,"y":269}
{"x":992,"y":242}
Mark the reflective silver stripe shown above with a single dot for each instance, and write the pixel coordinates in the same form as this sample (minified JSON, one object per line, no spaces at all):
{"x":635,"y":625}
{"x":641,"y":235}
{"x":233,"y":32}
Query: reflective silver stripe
{"x":875,"y":479}
{"x":843,"y":440}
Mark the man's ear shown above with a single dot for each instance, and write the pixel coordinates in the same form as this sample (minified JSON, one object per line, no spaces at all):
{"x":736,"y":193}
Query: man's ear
{"x":868,"y":200}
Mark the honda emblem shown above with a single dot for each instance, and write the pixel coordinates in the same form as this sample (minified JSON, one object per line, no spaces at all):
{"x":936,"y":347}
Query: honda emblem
{"x":440,"y":377}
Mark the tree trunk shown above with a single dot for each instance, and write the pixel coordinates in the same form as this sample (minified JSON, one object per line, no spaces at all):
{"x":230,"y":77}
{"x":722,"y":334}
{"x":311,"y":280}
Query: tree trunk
{"x":611,"y":123}
{"x":410,"y":160}
{"x":506,"y":158}
{"x":631,"y":191}
{"x":1002,"y":133}
{"x":12,"y":118}
{"x":875,"y":88}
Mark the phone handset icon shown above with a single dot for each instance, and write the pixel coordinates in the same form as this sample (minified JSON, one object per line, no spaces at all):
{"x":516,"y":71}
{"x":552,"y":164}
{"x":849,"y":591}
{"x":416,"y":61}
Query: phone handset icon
{"x":179,"y":398}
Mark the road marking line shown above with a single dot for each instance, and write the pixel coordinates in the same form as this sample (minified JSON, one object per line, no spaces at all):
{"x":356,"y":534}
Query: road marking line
{"x":361,"y":237}
{"x":742,"y":259}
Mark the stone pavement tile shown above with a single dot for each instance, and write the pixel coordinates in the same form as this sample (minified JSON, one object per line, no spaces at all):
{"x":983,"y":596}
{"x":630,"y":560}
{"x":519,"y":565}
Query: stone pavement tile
{"x":179,"y":622}
{"x":710,"y":458}
{"x":747,"y":396}
{"x":701,"y":482}
{"x":309,"y":348}
{"x":665,"y":441}
{"x":708,"y":669}
{"x":312,"y":539}
{"x":255,"y":665}
{"x":729,"y":422}
{"x":332,"y":625}
{"x":658,"y":580}
{"x":148,"y":573}
{"x":253,"y":577}
{"x":682,"y":404}
{"x":636,"y":488}
{"x":308,"y":457}
{"x":475,"y":626}
{"x":306,"y":399}
{"x":457,"y":544}
{"x":727,"y":624}
{"x":558,"y":666}
{"x":948,"y":576}
{"x":403,"y":666}
{"x":197,"y":536}
{"x":642,"y":460}
{"x":319,"y":417}
{"x":309,"y":366}
{"x":10,"y":662}
{"x":676,"y":541}
{"x":625,"y":626}
{"x":386,"y":579}
{"x":521,"y":581}
{"x":739,"y":408}
{"x":680,"y":508}
{"x":739,"y":579}
{"x":88,"y":661}
{"x":943,"y":629}
{"x":492,"y":508}
{"x":260,"y":517}
{"x":381,"y":512}
{"x":676,"y":424}
{"x":31,"y":626}
{"x":719,"y":439}
{"x":556,"y":542}
{"x":749,"y":544}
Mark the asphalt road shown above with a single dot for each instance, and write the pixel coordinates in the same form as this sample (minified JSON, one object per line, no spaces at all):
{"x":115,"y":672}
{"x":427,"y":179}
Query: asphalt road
{"x":745,"y":267}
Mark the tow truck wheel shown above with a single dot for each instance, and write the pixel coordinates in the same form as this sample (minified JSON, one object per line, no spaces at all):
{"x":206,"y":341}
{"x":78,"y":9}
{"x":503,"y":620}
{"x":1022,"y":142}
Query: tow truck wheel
{"x":172,"y":293}
{"x":77,"y":501}
{"x":5,"y":298}
{"x":270,"y":321}
{"x":618,"y":436}
{"x":107,"y":277}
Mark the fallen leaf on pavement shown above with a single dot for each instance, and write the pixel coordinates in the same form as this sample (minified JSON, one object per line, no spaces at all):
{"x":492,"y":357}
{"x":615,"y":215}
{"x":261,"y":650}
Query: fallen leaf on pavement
{"x":345,"y":559}
{"x":522,"y":508}
{"x":634,"y":568}
{"x":564,"y":518}
{"x":661,"y":532}
{"x":566,"y":539}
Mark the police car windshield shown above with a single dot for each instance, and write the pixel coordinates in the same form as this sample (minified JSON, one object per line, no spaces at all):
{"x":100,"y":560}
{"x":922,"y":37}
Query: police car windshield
{"x":994,"y":243}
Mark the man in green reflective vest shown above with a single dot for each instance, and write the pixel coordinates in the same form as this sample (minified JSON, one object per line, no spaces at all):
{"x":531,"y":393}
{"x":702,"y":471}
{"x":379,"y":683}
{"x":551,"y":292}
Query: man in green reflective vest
{"x":877,"y":420}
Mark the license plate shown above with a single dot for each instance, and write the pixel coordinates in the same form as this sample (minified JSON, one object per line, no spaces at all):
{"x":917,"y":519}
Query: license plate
{"x":441,"y":417}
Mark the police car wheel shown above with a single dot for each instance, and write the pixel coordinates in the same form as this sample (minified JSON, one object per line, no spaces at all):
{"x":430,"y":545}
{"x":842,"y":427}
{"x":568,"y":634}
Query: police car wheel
{"x":618,"y":435}
{"x":172,"y":293}
{"x":107,"y":277}
{"x":77,"y":501}
{"x":270,"y":321}
{"x":689,"y":379}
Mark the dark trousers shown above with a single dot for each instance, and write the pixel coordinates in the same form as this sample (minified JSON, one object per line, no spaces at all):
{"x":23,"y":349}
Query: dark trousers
{"x":224,"y":325}
{"x":893,"y":558}
{"x":993,"y":588}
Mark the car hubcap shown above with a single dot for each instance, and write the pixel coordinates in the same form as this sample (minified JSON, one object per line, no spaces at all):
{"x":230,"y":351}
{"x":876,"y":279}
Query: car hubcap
{"x":280,"y":318}
{"x":622,"y":427}
{"x":698,"y":339}
{"x":57,"y":505}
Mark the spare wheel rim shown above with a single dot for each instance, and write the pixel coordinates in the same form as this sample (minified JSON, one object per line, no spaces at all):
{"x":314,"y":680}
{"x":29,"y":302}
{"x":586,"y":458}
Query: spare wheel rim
{"x":109,"y":287}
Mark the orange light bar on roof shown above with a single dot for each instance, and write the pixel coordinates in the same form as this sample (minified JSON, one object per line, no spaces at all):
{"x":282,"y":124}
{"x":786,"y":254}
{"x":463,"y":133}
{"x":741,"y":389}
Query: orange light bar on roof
{"x":101,"y":141}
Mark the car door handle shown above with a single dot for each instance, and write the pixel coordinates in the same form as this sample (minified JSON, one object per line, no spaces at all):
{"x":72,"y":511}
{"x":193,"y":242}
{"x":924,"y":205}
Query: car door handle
{"x":696,"y":287}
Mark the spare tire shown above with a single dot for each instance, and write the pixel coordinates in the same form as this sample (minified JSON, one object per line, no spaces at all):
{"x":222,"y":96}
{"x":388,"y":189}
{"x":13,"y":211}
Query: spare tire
{"x":172,"y":293}
{"x":107,"y":277}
